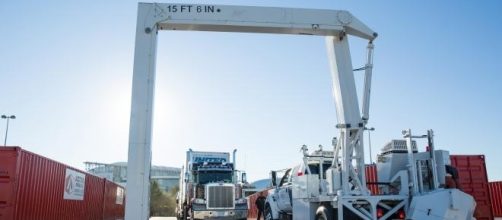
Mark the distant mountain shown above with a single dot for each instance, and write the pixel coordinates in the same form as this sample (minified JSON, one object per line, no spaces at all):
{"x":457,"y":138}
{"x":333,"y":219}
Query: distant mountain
{"x":261,"y":184}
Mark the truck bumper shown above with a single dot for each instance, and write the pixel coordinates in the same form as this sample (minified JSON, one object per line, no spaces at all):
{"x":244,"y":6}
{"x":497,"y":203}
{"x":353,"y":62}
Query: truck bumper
{"x":221,"y":214}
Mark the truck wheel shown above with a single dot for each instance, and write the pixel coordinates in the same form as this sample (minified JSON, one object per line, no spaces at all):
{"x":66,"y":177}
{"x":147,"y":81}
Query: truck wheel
{"x":324,"y":213}
{"x":267,"y":214}
{"x":192,"y":217}
{"x":185,"y":214}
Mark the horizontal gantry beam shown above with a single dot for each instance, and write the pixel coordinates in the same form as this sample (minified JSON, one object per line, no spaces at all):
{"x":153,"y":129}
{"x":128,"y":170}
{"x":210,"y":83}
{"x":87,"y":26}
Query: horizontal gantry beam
{"x":250,"y":19}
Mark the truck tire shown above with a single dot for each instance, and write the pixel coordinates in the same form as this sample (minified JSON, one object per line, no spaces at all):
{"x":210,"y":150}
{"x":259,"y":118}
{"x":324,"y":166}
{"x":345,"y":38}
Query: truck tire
{"x":267,"y":213}
{"x":185,"y":213}
{"x":324,"y":213}
{"x":192,"y":217}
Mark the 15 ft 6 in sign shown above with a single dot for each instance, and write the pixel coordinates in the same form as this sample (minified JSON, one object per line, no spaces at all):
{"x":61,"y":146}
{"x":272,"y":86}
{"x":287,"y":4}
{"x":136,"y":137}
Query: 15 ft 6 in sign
{"x":192,"y":8}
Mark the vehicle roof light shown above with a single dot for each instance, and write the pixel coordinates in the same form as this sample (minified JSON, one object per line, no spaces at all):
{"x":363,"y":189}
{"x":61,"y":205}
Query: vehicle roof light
{"x":299,"y":173}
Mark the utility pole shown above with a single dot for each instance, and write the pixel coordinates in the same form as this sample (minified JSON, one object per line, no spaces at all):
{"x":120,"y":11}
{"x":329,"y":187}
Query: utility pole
{"x":7,"y":127}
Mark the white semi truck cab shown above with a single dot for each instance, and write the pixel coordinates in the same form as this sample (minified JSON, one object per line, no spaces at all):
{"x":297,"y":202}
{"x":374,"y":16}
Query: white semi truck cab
{"x":210,"y":188}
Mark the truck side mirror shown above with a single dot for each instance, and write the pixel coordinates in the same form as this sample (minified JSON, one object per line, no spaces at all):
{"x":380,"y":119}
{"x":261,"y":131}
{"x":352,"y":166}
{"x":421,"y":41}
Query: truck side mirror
{"x":244,"y":178}
{"x":273,"y":176}
{"x":186,"y":178}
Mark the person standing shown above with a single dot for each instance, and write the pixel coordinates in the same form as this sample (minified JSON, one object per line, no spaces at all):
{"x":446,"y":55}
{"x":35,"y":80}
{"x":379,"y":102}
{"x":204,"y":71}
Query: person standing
{"x":260,"y":205}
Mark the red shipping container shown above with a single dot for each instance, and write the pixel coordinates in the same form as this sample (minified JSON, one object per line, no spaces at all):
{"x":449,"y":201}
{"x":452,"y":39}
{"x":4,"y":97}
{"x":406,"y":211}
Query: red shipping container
{"x":473,"y":180}
{"x":114,"y":201}
{"x":252,"y":209}
{"x":35,"y":187}
{"x":496,"y":198}
{"x":371,"y":177}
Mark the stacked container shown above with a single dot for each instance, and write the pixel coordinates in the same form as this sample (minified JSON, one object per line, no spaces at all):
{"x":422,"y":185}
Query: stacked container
{"x":496,"y":198}
{"x":372,"y":179}
{"x":473,"y":180}
{"x":35,"y":187}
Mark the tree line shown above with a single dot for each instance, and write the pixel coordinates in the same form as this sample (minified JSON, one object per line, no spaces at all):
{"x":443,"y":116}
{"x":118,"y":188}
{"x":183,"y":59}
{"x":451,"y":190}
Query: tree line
{"x":162,"y":203}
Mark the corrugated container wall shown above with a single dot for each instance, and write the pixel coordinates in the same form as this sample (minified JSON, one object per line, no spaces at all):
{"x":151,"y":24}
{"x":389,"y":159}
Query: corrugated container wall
{"x":496,"y":197}
{"x":114,"y":201}
{"x":473,"y":180}
{"x":372,"y":179}
{"x":252,"y":209}
{"x":35,"y":187}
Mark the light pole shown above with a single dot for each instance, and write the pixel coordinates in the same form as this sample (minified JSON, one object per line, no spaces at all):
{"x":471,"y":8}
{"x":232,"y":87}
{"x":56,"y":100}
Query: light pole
{"x":7,"y":127}
{"x":369,"y":141}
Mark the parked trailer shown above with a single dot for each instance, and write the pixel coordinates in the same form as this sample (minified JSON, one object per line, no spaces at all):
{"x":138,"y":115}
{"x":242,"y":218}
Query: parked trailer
{"x":473,"y":180}
{"x":35,"y":187}
{"x":496,"y":198}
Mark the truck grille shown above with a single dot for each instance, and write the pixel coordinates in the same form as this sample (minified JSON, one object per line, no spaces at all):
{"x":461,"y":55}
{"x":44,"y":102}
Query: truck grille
{"x":220,"y":197}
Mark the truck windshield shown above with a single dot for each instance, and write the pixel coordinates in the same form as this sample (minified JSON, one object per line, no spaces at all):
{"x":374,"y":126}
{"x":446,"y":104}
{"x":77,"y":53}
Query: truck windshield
{"x":214,"y":176}
{"x":314,"y":168}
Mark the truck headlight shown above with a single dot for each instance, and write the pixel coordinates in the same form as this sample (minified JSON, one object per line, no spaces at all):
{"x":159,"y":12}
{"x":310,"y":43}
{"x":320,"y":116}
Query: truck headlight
{"x":241,"y":201}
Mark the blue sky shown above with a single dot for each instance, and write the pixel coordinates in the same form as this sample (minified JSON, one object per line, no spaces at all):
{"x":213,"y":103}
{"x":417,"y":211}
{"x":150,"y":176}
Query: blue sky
{"x":66,"y":70}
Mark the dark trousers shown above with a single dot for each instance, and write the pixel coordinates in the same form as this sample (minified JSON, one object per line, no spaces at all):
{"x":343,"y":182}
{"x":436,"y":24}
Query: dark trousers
{"x":260,"y":213}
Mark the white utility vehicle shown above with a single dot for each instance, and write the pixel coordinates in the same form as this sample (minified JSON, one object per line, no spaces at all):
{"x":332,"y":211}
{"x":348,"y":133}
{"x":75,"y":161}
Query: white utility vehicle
{"x":279,"y":202}
{"x":308,"y":190}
